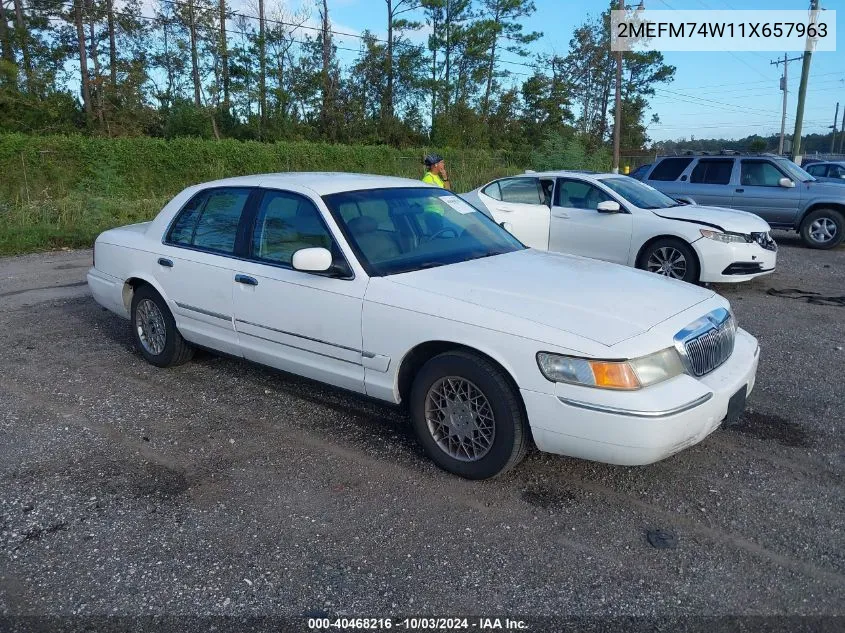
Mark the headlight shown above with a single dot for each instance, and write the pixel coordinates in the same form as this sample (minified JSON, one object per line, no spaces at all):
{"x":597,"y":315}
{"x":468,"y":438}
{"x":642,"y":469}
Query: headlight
{"x":611,"y":374}
{"x":727,"y":238}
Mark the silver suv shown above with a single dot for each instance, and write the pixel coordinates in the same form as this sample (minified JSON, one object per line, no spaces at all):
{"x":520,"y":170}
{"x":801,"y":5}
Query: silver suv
{"x":773,"y":187}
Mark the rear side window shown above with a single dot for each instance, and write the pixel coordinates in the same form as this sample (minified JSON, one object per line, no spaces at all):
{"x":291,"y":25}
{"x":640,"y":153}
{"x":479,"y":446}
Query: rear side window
{"x":492,"y":191}
{"x":712,"y":171}
{"x":760,"y":173}
{"x":210,"y":220}
{"x":521,"y":190}
{"x":816,"y":170}
{"x":670,"y":169}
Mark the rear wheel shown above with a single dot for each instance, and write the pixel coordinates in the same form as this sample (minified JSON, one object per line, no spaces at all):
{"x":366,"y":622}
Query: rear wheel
{"x":467,"y":416}
{"x":823,"y":228}
{"x":154,"y":330}
{"x":670,"y":257}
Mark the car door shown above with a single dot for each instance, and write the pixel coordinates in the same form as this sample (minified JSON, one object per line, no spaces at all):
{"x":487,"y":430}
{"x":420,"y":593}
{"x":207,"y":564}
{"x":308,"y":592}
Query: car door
{"x":709,"y":182}
{"x":578,"y":228}
{"x":521,"y":202}
{"x":304,"y":323}
{"x":196,"y":265}
{"x":759,"y":192}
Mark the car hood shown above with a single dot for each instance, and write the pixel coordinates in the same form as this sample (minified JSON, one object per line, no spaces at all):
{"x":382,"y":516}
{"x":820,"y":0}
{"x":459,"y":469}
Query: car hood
{"x":602,"y":302}
{"x":725,"y":219}
{"x":826,"y":189}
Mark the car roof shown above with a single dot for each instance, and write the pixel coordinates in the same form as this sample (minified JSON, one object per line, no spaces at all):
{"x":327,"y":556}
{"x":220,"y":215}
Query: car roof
{"x":582,"y":174}
{"x":321,"y":183}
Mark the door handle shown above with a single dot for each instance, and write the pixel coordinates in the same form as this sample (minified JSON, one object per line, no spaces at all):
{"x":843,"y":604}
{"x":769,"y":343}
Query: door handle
{"x":563,"y":216}
{"x":246,"y":280}
{"x":167,"y":263}
{"x":740,"y":190}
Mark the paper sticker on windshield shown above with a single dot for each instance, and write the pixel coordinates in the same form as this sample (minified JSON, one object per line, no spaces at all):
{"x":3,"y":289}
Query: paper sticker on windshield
{"x":458,"y":205}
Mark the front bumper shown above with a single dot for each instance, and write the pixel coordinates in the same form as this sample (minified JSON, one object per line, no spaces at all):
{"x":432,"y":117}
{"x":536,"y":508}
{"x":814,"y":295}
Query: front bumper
{"x":732,"y":263}
{"x":640,"y":427}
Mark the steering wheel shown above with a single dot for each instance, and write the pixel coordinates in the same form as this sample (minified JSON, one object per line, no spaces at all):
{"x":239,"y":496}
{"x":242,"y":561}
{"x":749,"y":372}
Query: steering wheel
{"x":441,"y":232}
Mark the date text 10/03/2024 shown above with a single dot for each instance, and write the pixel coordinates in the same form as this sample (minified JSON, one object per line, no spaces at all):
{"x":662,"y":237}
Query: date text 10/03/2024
{"x":418,"y":624}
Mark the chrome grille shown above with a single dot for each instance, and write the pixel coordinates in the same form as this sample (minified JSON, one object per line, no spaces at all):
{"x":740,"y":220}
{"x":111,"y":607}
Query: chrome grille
{"x":707,"y":343}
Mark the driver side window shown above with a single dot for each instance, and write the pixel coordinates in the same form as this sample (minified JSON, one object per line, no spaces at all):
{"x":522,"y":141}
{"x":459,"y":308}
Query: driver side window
{"x":576,"y":194}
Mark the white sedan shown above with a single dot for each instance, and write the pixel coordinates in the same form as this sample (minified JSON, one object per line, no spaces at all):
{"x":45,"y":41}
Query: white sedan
{"x":621,"y":220}
{"x":402,"y":291}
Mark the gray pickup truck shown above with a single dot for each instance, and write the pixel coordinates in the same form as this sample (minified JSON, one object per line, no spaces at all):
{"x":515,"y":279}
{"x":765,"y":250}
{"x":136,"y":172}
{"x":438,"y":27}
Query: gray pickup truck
{"x":773,"y":187}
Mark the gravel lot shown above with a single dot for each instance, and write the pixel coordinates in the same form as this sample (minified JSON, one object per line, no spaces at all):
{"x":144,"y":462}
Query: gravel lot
{"x":221,"y":488}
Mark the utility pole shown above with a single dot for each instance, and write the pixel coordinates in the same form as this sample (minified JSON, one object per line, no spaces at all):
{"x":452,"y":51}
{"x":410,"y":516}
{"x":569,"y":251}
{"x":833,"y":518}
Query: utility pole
{"x":842,"y":132}
{"x":833,"y":135}
{"x":617,"y":114}
{"x":802,"y":88}
{"x":784,"y":86}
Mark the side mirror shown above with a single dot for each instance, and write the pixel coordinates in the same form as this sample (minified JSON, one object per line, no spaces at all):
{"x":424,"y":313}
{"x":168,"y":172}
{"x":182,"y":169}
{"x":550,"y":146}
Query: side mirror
{"x":312,"y":260}
{"x":786,"y":182}
{"x":608,"y":206}
{"x":507,"y":226}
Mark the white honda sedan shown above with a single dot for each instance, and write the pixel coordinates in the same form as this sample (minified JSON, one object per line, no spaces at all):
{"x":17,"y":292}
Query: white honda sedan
{"x":401,"y":291}
{"x":621,"y":220}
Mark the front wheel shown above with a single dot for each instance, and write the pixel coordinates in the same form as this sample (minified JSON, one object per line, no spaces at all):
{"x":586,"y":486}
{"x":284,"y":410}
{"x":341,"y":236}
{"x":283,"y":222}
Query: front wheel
{"x":467,"y":416}
{"x":823,"y":228}
{"x":154,"y":330}
{"x":670,"y":257}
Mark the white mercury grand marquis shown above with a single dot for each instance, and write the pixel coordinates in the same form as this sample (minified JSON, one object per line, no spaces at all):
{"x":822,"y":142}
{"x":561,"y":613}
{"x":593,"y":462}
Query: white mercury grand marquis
{"x":404,"y":292}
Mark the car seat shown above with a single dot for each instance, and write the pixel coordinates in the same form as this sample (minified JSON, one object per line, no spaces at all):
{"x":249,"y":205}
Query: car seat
{"x":376,"y":245}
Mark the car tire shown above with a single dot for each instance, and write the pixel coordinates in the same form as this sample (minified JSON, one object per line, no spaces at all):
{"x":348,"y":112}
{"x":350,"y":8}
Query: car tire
{"x":154,"y":330}
{"x":481,"y":405}
{"x":670,"y":257}
{"x":823,"y":229}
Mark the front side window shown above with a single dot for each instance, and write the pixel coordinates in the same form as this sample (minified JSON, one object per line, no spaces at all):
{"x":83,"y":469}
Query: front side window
{"x":521,"y":191}
{"x":712,"y":171}
{"x":670,"y":169}
{"x":210,"y":220}
{"x":285,"y":223}
{"x":836,"y":171}
{"x":760,"y":173}
{"x":577,"y":194}
{"x":424,"y":228}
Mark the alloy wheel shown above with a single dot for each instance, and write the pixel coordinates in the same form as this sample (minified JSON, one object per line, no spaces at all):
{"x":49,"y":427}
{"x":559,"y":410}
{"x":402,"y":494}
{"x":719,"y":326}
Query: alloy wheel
{"x":460,"y":418}
{"x":151,"y":329}
{"x":823,"y":230}
{"x":667,"y":261}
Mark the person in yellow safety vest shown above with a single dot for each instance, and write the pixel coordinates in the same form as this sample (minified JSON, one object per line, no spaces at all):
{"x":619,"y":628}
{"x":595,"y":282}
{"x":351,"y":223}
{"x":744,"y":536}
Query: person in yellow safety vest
{"x":436,"y":171}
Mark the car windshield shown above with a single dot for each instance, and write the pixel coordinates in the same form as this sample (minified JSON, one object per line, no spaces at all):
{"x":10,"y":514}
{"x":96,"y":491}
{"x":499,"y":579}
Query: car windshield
{"x":794,"y":171}
{"x":411,"y":228}
{"x":638,"y":193}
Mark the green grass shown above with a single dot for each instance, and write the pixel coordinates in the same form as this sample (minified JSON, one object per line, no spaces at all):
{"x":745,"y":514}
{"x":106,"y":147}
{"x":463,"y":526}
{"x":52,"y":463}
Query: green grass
{"x":71,"y":222}
{"x":62,"y":191}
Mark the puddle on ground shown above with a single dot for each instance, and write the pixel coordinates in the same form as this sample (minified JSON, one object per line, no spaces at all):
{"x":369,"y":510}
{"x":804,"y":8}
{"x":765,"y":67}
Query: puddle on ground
{"x":765,"y":426}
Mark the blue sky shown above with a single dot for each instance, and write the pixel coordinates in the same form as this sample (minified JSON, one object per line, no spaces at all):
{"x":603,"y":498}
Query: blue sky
{"x":728,"y":95}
